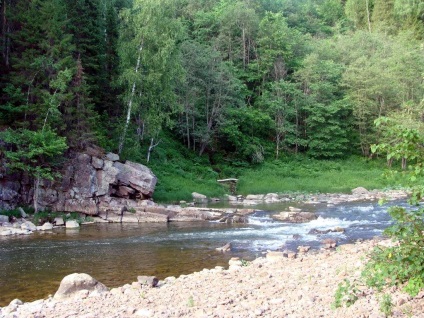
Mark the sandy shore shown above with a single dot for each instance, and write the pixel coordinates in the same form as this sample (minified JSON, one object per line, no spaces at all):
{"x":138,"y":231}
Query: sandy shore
{"x":267,"y":287}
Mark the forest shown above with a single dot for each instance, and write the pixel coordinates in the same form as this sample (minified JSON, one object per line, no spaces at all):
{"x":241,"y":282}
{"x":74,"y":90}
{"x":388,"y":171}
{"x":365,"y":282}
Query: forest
{"x":235,"y":83}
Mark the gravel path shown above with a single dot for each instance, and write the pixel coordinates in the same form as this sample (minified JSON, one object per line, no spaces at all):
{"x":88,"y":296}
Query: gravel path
{"x":267,"y":287}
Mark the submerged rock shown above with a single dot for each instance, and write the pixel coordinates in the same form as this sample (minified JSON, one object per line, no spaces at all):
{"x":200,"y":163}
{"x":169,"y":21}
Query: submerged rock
{"x":295,"y":217}
{"x":226,"y":248}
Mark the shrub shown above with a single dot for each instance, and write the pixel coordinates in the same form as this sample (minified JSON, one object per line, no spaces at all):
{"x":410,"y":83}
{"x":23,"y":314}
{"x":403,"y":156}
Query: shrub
{"x":346,"y":294}
{"x":404,"y":262}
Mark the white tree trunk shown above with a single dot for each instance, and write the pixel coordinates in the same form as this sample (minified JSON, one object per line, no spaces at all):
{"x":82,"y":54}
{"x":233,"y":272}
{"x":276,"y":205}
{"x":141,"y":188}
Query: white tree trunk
{"x":151,"y":147}
{"x":36,"y":192}
{"x":368,"y":15}
{"x":130,"y":101}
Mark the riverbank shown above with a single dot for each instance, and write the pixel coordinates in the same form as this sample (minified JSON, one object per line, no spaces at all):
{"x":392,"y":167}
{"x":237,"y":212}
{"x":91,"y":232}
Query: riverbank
{"x":150,"y":212}
{"x":271,"y":286}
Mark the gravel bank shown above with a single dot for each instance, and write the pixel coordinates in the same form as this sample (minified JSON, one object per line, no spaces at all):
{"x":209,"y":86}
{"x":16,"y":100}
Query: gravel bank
{"x":267,"y":287}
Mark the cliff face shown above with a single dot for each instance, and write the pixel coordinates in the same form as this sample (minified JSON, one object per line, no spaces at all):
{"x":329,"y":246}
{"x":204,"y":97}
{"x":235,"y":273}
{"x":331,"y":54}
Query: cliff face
{"x":91,"y":183}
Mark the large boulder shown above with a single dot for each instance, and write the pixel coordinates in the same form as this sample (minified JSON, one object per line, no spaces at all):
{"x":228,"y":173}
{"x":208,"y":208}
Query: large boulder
{"x":106,"y":177}
{"x":360,"y":191}
{"x":73,"y":283}
{"x":136,"y":176}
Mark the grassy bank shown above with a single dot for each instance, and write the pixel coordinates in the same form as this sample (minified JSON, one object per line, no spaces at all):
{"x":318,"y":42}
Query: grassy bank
{"x":178,"y":180}
{"x":181,"y":172}
{"x":309,"y":175}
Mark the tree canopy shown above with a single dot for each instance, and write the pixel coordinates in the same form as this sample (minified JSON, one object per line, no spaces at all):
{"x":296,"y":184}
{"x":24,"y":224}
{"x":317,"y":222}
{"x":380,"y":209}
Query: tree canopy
{"x":241,"y":80}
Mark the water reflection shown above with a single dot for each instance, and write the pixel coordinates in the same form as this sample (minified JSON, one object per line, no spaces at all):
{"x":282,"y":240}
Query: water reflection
{"x":115,"y":254}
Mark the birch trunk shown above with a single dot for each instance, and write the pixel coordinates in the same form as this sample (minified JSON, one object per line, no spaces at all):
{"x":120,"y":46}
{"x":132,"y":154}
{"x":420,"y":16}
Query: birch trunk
{"x":130,"y":101}
{"x":151,"y":147}
{"x":36,"y":192}
{"x":368,"y":15}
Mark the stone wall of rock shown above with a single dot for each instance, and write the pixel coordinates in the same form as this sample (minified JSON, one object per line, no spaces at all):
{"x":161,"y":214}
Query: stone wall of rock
{"x":101,"y":185}
{"x":92,"y":183}
{"x":95,"y":185}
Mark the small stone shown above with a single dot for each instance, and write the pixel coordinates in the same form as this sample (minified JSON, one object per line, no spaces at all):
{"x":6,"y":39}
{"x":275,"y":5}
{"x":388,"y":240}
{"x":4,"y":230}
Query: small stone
{"x":72,"y":224}
{"x":291,"y":255}
{"x":112,"y":156}
{"x":150,"y":281}
{"x":226,"y":248}
{"x":78,"y":282}
{"x":303,"y":249}
{"x":329,"y":243}
{"x":198,"y":197}
{"x":46,"y":227}
{"x":58,"y":221}
{"x":235,"y":261}
{"x":274,"y":256}
{"x":27,"y":225}
{"x":16,"y":302}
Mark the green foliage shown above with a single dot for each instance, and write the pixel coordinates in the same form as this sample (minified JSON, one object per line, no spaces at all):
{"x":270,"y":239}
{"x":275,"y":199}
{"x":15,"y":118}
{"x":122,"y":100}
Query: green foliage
{"x":345,"y":295}
{"x":240,"y":81}
{"x":386,"y":304}
{"x":80,"y":218}
{"x":42,"y":217}
{"x":15,"y":213}
{"x":404,"y":262}
{"x":190,"y":302}
{"x":179,"y":171}
{"x":32,"y":151}
{"x":244,"y":263}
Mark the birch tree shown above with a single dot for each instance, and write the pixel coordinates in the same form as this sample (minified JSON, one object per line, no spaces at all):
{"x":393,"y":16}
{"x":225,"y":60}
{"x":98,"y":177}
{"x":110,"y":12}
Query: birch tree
{"x":150,"y":65}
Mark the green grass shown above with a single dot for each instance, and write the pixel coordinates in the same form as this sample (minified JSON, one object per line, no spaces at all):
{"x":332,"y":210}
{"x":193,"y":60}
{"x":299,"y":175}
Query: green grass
{"x":310,"y":175}
{"x":181,"y":172}
{"x":177,"y":182}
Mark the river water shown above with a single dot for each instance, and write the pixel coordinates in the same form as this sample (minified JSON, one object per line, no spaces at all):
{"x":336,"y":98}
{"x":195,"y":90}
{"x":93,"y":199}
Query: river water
{"x":33,"y":266}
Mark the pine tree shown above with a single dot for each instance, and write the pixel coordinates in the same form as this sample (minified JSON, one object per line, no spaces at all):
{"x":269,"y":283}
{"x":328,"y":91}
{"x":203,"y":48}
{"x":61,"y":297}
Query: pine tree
{"x":87,"y":26}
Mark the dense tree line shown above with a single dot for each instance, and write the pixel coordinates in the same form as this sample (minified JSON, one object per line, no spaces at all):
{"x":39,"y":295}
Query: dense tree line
{"x":238,"y":79}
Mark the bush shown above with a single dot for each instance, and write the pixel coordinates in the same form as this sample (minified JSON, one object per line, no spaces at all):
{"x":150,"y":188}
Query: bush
{"x":346,"y":294}
{"x":15,"y":213}
{"x":402,"y":264}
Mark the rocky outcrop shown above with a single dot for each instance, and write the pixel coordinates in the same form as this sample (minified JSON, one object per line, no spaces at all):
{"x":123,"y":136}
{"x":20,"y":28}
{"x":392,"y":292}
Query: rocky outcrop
{"x":92,"y":183}
{"x":9,"y":193}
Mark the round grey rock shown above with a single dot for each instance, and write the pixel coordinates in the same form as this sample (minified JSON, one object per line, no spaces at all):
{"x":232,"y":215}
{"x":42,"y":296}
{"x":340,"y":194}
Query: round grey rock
{"x":73,"y":283}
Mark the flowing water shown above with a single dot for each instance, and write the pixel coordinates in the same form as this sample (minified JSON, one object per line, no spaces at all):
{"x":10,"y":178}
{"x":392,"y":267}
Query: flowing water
{"x":33,"y":266}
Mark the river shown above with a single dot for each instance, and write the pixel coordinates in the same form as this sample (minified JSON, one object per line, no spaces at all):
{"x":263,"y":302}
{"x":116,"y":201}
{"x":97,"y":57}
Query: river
{"x":33,"y":266}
